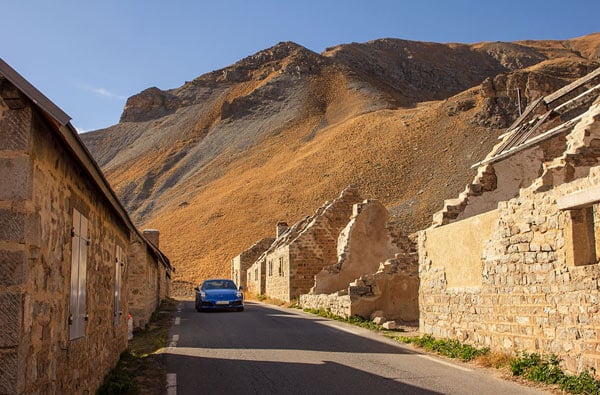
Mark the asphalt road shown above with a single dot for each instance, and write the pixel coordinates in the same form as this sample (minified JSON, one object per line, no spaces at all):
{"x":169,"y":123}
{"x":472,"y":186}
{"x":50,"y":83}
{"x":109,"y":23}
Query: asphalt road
{"x":268,"y":350}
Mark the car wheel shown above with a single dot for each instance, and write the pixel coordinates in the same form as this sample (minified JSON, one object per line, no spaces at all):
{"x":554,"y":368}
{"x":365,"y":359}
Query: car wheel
{"x":240,"y":309}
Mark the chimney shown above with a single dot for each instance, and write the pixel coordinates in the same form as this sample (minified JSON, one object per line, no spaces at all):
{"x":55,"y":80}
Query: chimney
{"x":280,"y":229}
{"x":152,"y":235}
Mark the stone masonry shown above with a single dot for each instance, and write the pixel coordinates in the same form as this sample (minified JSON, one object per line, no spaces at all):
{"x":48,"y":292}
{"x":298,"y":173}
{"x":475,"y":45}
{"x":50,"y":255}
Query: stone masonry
{"x":241,"y":263}
{"x":41,"y":185}
{"x":529,"y":278}
{"x":287,"y":268}
{"x":392,"y":289}
{"x":255,"y":277}
{"x":149,"y":277}
{"x":65,"y":252}
{"x":362,"y":245}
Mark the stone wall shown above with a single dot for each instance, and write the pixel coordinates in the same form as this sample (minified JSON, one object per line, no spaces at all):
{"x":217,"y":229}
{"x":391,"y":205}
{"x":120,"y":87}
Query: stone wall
{"x":277,"y":279}
{"x":41,"y":186}
{"x":145,"y":273}
{"x":164,"y":284}
{"x":362,"y":245}
{"x":392,"y":289}
{"x":536,"y":293}
{"x":241,"y":263}
{"x":307,"y":247}
{"x":255,"y":277}
{"x":337,"y":303}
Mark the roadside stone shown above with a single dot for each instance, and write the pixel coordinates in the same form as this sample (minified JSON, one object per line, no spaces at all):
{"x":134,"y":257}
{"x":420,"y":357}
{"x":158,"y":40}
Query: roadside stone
{"x":379,"y":320}
{"x":389,"y":325}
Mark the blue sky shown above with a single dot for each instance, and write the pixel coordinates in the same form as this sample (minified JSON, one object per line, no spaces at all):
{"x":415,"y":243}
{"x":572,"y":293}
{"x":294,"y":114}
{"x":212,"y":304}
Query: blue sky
{"x":89,"y":56}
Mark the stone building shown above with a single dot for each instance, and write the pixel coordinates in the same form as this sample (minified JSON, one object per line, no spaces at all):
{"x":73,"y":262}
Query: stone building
{"x":255,"y":277}
{"x":149,"y":277}
{"x":64,"y":251}
{"x":512,"y":263}
{"x":241,"y":263}
{"x":287,"y":269}
{"x":376,"y":269}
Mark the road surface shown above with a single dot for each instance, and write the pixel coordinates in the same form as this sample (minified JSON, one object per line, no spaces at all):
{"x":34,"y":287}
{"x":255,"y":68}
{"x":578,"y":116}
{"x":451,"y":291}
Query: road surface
{"x":270,"y":350}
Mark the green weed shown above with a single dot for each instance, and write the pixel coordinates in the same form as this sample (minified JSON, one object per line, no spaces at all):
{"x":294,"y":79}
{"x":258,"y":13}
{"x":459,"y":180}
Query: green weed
{"x":354,"y":320}
{"x":446,"y":347}
{"x":545,"y":369}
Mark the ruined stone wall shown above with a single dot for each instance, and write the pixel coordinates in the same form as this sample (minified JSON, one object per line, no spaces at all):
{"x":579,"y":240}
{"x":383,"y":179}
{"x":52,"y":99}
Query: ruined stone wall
{"x":500,"y":182}
{"x":392,"y":289}
{"x":316,"y":246}
{"x":337,"y":303}
{"x":40,"y":187}
{"x":529,"y":298}
{"x":362,"y":245}
{"x":539,"y":274}
{"x":241,"y":263}
{"x":144,"y":282}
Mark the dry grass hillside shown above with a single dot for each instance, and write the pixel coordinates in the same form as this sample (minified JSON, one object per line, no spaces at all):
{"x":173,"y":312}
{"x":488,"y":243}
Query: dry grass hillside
{"x":216,"y":163}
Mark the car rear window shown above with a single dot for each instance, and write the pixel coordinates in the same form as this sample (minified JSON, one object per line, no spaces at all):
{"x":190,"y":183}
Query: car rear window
{"x":214,"y":284}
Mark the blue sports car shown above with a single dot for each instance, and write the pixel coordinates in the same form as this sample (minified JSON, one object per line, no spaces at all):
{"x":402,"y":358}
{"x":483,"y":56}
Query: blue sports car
{"x":219,"y":294}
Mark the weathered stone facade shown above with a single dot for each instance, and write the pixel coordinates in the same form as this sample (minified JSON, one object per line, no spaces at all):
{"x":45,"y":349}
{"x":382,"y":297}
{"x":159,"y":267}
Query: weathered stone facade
{"x":366,"y":278}
{"x":255,"y":277}
{"x":365,"y":242}
{"x":287,"y":268}
{"x":64,"y":239}
{"x":306,"y":248}
{"x":524,"y":274}
{"x":241,"y":263}
{"x":393,"y":290}
{"x":149,"y":277}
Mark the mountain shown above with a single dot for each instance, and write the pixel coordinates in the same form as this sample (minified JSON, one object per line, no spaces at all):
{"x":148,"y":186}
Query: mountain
{"x":215,"y":163}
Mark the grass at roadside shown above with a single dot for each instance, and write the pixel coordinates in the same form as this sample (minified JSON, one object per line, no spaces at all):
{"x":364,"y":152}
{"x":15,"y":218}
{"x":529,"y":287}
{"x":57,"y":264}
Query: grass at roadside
{"x":545,"y":369}
{"x":354,"y":320}
{"x":448,"y":348}
{"x":532,"y":367}
{"x":140,"y":370}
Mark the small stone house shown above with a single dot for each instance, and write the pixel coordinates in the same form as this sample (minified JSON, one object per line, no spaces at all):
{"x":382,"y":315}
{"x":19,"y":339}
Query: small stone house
{"x":65,"y":251}
{"x":241,"y":263}
{"x":513,"y":262}
{"x":149,"y":277}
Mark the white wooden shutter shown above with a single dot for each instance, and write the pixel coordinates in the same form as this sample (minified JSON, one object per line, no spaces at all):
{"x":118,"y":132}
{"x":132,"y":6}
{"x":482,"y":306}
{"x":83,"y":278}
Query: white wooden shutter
{"x":79,"y":247}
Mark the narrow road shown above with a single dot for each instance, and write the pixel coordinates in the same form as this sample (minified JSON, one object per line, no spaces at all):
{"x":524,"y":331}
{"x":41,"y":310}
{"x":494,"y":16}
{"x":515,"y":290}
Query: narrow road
{"x":268,"y":350}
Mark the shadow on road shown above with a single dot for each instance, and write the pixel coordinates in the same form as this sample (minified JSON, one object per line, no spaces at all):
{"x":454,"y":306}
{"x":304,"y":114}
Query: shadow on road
{"x":232,"y":376}
{"x":263,"y":327}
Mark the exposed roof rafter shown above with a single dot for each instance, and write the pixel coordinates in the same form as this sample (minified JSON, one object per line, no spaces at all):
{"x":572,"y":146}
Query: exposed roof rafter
{"x":538,"y":121}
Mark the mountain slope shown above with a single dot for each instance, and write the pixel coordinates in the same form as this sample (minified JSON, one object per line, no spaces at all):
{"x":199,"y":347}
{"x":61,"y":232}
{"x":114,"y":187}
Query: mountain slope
{"x":216,"y":163}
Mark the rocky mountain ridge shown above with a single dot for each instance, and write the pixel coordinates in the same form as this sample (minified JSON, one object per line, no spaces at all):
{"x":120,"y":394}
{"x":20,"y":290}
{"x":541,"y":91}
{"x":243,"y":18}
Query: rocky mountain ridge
{"x":218,"y":161}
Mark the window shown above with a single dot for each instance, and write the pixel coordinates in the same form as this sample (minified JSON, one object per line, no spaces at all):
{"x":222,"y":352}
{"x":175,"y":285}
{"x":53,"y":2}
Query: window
{"x":270,"y":268}
{"x":581,"y":237}
{"x":119,"y":265}
{"x":280,"y":266}
{"x":79,"y":247}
